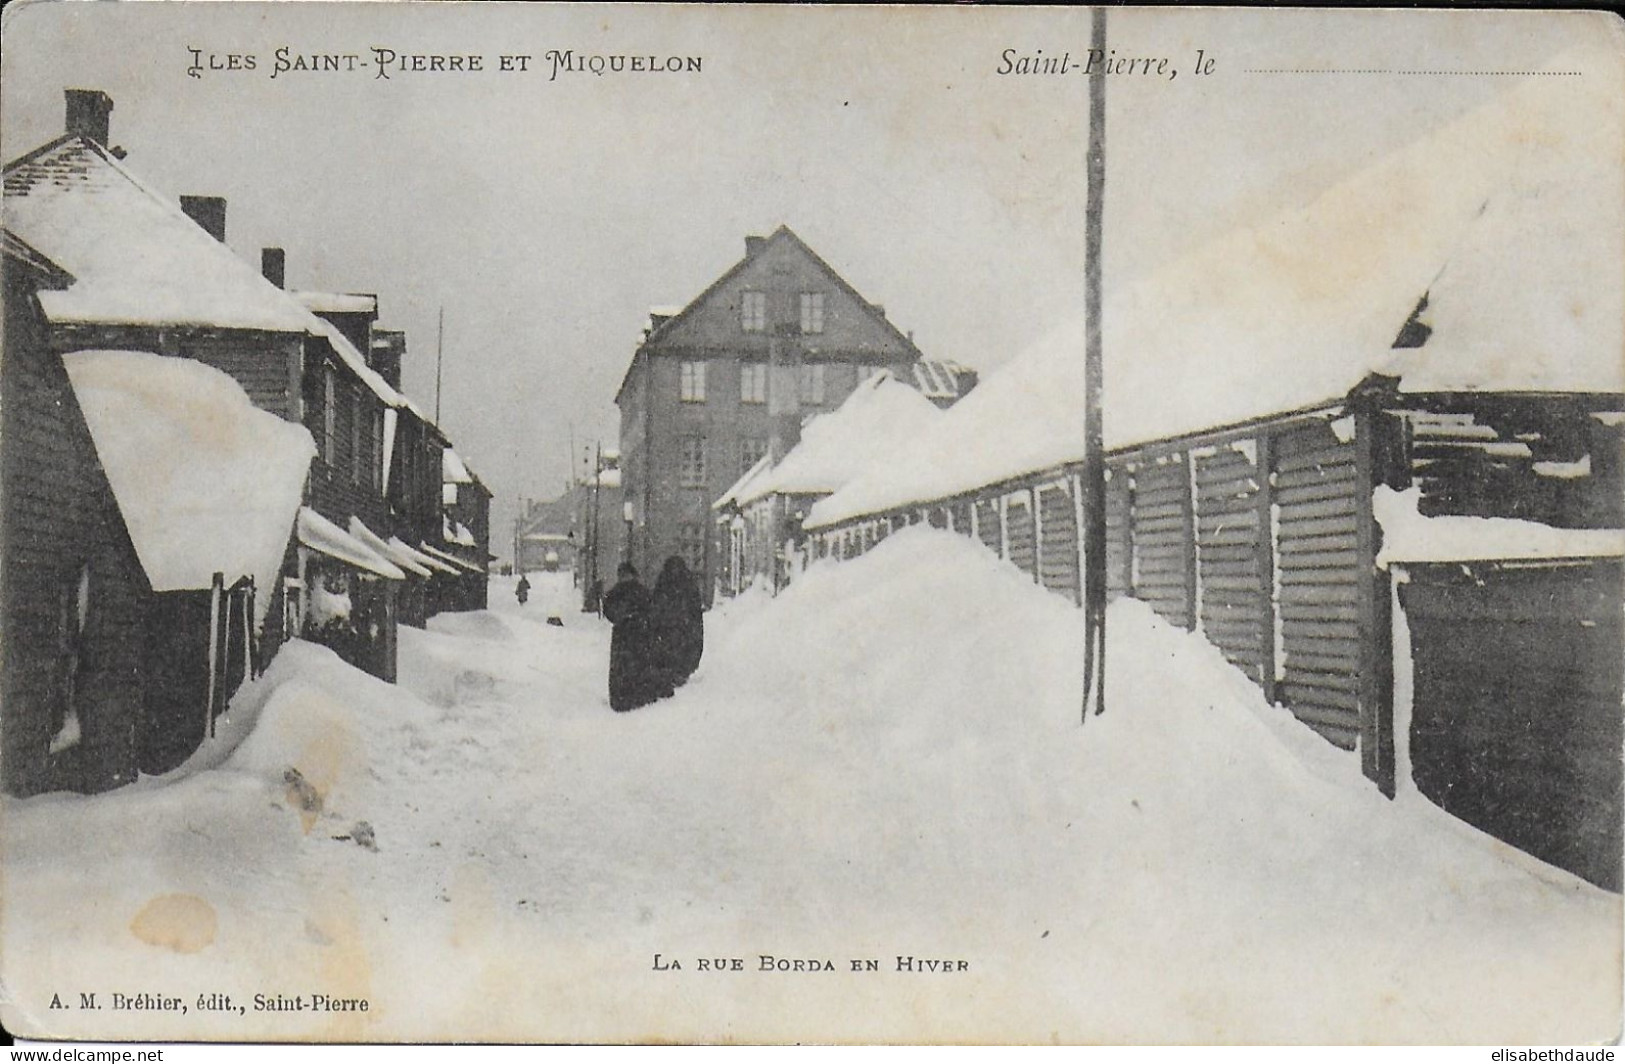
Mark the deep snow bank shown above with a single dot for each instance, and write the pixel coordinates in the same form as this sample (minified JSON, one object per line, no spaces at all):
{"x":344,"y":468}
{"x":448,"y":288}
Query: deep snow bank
{"x":886,"y":760}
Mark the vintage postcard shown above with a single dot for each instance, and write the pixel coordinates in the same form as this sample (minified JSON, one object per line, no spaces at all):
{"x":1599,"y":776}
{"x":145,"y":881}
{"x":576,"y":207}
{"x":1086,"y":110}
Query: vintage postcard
{"x":686,"y":523}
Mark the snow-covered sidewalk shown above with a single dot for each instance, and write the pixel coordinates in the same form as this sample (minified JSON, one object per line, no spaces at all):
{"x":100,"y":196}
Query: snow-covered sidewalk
{"x":883,"y":762}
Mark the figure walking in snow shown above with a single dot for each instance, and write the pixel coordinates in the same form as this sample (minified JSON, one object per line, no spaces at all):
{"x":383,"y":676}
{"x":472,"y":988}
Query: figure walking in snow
{"x":522,"y":592}
{"x":679,"y":622}
{"x":634,"y":676}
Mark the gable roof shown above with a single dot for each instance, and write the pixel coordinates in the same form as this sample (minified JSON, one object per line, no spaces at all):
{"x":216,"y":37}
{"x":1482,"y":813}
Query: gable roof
{"x":21,"y":251}
{"x":782,"y":234}
{"x":134,"y":255}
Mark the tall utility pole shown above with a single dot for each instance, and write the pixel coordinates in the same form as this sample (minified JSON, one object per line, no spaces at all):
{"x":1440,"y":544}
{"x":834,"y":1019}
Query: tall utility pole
{"x":1094,"y":458}
{"x":439,"y":359}
{"x":594,"y":587}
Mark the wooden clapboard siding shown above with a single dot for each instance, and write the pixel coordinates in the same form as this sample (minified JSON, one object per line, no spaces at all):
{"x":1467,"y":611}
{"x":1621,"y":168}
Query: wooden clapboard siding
{"x":1059,"y":557}
{"x":1023,"y":548}
{"x":1235,"y":600}
{"x":1163,"y":540}
{"x":265,"y":364}
{"x":1319,"y":568}
{"x":59,"y":518}
{"x":987,"y":523}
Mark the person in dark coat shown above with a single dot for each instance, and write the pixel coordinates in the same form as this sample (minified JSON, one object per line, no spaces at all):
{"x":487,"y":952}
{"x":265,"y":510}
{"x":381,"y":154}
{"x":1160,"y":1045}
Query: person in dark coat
{"x":522,"y":592}
{"x":679,"y":622}
{"x":634,"y":678}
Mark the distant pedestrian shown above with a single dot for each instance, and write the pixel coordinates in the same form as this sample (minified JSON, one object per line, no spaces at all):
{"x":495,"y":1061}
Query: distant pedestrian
{"x":679,"y":622}
{"x":634,"y":678}
{"x":523,"y":590}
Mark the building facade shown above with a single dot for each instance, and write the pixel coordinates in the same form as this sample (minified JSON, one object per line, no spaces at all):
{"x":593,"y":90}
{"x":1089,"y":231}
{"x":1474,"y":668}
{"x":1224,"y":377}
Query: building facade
{"x":731,"y":376}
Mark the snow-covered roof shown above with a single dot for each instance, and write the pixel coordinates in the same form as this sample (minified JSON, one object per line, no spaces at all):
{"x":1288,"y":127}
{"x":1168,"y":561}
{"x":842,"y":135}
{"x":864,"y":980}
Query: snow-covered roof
{"x":320,"y":534}
{"x":135,"y":256}
{"x":205,"y":481}
{"x":1024,"y":417}
{"x":1509,"y":219}
{"x":877,"y":419}
{"x":452,"y":468}
{"x":456,"y":532}
{"x":337,"y":302}
{"x":450,"y":559}
{"x":937,"y":378}
{"x":425,"y":560}
{"x":736,"y":490}
{"x":400,"y":555}
{"x":356,"y":361}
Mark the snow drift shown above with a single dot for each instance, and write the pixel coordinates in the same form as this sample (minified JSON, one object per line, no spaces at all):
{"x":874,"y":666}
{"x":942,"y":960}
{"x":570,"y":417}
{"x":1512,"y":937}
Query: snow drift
{"x":884,"y":762}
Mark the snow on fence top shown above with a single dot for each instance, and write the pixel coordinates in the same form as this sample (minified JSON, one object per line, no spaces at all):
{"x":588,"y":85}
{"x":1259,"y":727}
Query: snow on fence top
{"x":320,"y":534}
{"x":1508,"y":219}
{"x":134,"y":255}
{"x":879,"y":417}
{"x":1408,"y":536}
{"x":205,"y":481}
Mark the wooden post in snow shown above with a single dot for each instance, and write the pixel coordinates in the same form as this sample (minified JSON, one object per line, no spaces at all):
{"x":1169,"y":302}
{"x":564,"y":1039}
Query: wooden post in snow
{"x":1094,"y":458}
{"x":216,"y":589}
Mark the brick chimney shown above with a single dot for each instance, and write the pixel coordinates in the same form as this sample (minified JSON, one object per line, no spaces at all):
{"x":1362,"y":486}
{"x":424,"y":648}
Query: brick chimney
{"x":274,"y":265}
{"x":89,"y":113}
{"x":209,"y":212}
{"x":753,"y":244}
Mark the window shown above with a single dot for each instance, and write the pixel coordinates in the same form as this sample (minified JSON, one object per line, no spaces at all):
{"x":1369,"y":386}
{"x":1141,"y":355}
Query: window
{"x":751,"y":449}
{"x":330,"y":415}
{"x":753,"y":382}
{"x":379,"y":473}
{"x":691,"y":544}
{"x":812,"y":312}
{"x":693,"y":462}
{"x":753,"y":312}
{"x":692,"y":386}
{"x":358,"y":465}
{"x":812,"y":382}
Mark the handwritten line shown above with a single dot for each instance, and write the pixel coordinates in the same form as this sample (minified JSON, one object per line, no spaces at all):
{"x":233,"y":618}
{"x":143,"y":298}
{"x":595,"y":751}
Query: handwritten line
{"x":1422,"y":73}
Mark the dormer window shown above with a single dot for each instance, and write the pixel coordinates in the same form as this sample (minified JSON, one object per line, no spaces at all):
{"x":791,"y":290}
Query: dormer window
{"x":753,"y":312}
{"x":812,"y":312}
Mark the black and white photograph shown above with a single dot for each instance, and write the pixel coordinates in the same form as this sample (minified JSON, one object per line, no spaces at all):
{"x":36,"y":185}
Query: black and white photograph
{"x":769,"y":524}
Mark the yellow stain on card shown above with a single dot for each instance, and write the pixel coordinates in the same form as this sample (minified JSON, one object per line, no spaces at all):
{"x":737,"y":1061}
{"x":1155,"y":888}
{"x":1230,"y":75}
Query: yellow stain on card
{"x":184,"y":923}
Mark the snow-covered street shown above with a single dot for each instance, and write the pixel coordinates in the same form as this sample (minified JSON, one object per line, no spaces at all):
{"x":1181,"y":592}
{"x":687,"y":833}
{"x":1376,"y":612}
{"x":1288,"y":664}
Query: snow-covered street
{"x":883,"y":762}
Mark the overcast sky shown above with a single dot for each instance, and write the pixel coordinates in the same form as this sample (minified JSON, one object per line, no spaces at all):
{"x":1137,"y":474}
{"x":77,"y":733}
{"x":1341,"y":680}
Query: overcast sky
{"x":546,"y":216}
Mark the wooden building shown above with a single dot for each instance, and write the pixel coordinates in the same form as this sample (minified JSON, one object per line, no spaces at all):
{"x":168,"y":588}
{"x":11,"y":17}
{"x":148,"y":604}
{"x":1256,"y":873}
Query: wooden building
{"x":1269,"y":405}
{"x":731,"y":376}
{"x":465,"y":530}
{"x":97,"y":260}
